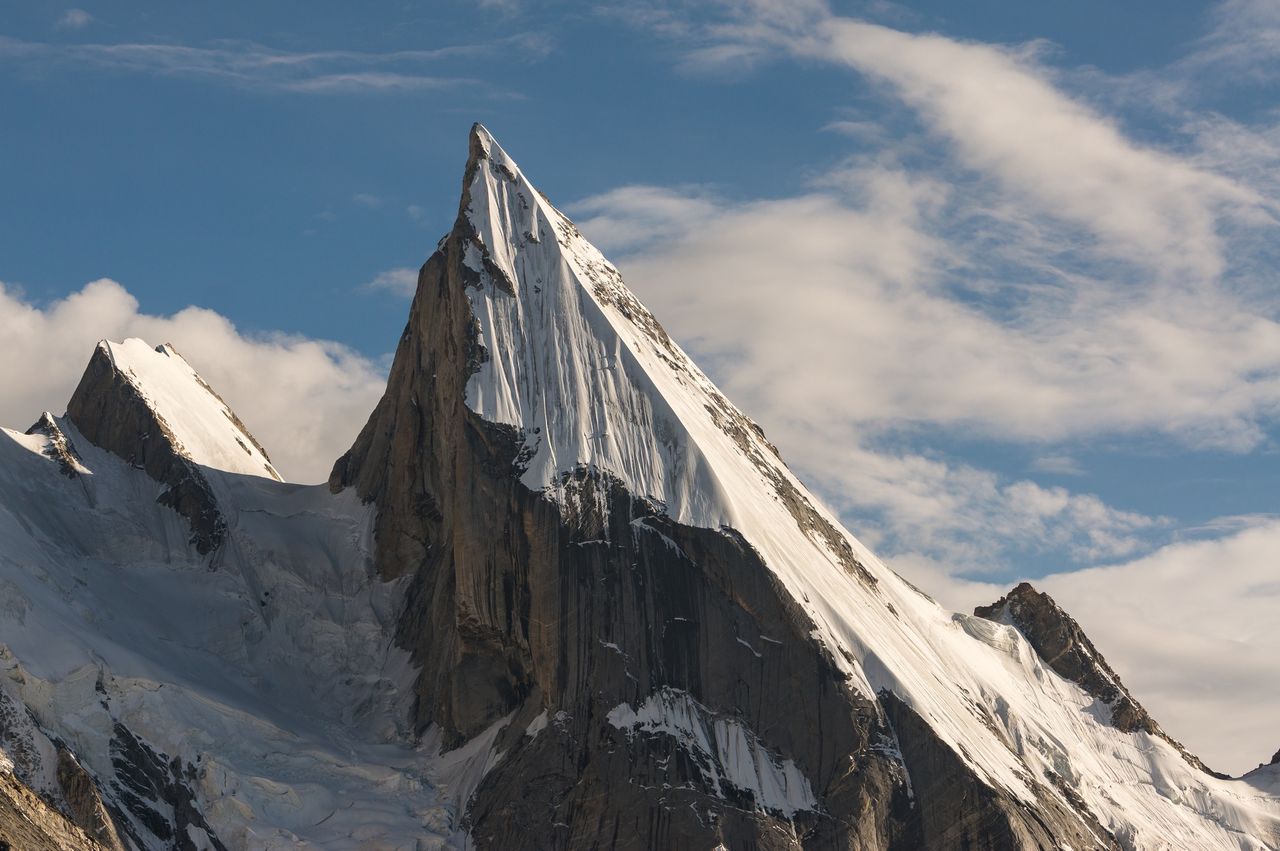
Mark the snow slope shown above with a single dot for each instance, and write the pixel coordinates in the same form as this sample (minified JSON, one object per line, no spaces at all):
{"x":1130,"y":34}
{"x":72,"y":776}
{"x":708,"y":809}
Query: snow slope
{"x":579,"y":365}
{"x":270,"y":671}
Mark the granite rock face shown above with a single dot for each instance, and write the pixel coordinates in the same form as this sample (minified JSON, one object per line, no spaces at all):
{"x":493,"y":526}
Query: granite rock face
{"x":570,"y":623}
{"x":1064,"y":647}
{"x":29,"y":823}
{"x":84,"y":802}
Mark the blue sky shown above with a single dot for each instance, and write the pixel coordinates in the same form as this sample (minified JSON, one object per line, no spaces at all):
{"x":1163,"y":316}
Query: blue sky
{"x":997,"y":277}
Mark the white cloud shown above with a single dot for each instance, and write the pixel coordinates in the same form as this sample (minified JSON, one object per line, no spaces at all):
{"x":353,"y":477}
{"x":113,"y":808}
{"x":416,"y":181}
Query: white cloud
{"x":1244,"y":41}
{"x":826,"y":320}
{"x":259,"y":67}
{"x":875,"y":298}
{"x":401,"y":281}
{"x":305,"y":400}
{"x":73,"y":19}
{"x":975,"y":519}
{"x":1002,"y":117}
{"x":630,"y":216}
{"x":365,"y":199}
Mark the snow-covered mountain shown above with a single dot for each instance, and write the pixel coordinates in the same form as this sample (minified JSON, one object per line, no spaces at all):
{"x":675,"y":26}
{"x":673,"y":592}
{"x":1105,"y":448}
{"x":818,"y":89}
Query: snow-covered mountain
{"x":560,"y":593}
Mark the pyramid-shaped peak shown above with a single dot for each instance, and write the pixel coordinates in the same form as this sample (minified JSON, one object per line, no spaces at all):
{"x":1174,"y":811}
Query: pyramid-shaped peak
{"x":129,"y":382}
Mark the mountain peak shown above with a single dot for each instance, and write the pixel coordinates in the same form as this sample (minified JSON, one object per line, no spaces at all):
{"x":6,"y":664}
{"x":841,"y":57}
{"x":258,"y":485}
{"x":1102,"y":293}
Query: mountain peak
{"x":568,"y":356}
{"x":195,"y":420}
{"x":610,"y":566}
{"x":1061,"y":642}
{"x":150,"y":408}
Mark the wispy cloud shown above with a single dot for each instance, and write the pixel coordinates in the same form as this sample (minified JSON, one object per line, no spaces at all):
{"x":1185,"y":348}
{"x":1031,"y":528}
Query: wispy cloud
{"x":73,"y":19}
{"x":901,"y":302}
{"x":629,"y":217}
{"x":1244,"y":40}
{"x":259,"y":67}
{"x":865,"y":341}
{"x":365,"y":199}
{"x":401,"y":281}
{"x":1057,"y":465}
{"x":1003,"y":117}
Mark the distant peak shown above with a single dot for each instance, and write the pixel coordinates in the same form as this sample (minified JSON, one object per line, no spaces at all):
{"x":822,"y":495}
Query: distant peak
{"x":1061,"y":642}
{"x":198,"y":423}
{"x":149,"y":407}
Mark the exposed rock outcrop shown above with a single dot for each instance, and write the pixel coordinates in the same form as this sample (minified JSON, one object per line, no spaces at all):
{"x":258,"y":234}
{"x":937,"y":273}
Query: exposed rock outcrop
{"x":1065,"y":648}
{"x":109,"y":411}
{"x":29,"y":823}
{"x":84,"y":803}
{"x":60,"y":448}
{"x":158,"y":793}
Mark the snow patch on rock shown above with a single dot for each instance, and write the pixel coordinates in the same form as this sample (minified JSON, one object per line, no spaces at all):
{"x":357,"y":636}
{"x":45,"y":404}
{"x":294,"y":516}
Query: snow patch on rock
{"x":727,"y":752}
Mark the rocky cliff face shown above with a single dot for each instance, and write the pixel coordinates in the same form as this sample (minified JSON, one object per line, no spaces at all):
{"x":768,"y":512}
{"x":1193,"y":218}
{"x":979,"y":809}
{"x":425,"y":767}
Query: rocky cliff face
{"x":1062,"y":644}
{"x":29,"y":823}
{"x":658,"y":687}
